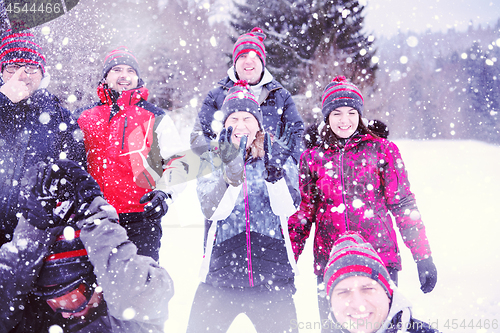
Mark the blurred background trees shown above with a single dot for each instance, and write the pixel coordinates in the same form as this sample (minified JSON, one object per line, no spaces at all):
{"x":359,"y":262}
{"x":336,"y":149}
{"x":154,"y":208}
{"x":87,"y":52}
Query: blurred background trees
{"x":431,"y":85}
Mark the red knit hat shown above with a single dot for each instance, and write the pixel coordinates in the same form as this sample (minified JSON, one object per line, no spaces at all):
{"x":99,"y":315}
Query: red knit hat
{"x":240,"y":98}
{"x":352,"y":256}
{"x":120,"y":56}
{"x":341,"y":92}
{"x":21,"y":48}
{"x":252,"y":41}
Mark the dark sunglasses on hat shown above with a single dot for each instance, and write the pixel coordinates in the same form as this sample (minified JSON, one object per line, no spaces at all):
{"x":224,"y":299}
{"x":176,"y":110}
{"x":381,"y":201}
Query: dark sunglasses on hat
{"x":71,"y":298}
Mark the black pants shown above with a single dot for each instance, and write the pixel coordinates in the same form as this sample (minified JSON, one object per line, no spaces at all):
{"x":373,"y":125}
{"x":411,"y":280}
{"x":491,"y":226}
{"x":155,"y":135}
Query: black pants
{"x":324,"y":302}
{"x":144,"y":233}
{"x":214,"y":309}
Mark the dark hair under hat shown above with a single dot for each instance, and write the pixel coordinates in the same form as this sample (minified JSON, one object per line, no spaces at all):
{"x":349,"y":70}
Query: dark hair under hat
{"x":352,"y":256}
{"x":341,"y":92}
{"x":240,"y":98}
{"x":21,"y":48}
{"x":66,"y":262}
{"x":120,"y":56}
{"x":251,"y":41}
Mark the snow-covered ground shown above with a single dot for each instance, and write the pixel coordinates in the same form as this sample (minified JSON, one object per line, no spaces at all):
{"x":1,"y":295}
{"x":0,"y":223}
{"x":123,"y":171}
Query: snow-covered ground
{"x":455,"y":183}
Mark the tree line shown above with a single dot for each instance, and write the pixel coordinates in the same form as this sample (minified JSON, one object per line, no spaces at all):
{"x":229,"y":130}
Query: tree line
{"x":424,"y":86}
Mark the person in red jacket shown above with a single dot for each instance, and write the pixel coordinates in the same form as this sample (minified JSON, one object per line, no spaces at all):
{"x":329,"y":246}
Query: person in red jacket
{"x":133,"y":151}
{"x":354,"y":180}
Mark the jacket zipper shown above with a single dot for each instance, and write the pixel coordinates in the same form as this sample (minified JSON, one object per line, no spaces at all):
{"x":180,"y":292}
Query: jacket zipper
{"x":123,"y":136}
{"x":247,"y":227}
{"x":342,"y":151}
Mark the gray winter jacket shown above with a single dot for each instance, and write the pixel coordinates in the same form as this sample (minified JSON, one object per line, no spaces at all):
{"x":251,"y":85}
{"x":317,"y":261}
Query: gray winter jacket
{"x":136,"y":289}
{"x":247,"y":243}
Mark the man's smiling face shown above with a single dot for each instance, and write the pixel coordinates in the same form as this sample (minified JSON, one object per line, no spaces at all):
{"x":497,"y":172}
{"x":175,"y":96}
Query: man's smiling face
{"x":249,"y":67}
{"x":122,"y":77}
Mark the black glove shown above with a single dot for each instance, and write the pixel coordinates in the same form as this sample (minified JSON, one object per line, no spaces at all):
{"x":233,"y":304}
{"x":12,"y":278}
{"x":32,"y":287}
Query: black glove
{"x":157,"y":206}
{"x":80,"y":188}
{"x":39,"y":198}
{"x":63,"y":189}
{"x":427,"y":274}
{"x":277,"y":152}
{"x":228,"y":151}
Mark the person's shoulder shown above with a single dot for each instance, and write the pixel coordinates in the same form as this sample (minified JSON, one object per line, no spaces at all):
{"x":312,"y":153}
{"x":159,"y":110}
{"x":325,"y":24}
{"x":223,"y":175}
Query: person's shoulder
{"x":78,"y":112}
{"x":274,"y":85}
{"x":157,"y":111}
{"x":48,"y":102}
{"x":313,"y":154}
{"x":45,"y":98}
{"x":223,"y":84}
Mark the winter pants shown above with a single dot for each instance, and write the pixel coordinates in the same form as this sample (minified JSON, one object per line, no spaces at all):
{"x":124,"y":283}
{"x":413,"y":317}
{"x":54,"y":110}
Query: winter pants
{"x":214,"y":309}
{"x":143,"y":232}
{"x":324,"y":302}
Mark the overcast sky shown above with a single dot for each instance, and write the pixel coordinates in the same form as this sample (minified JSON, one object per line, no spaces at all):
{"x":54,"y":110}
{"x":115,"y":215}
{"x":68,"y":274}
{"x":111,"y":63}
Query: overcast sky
{"x":387,"y":17}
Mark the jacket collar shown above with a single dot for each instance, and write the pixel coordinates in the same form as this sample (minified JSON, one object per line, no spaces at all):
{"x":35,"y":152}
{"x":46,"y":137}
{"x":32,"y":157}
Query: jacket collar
{"x":399,"y":304}
{"x":128,"y":97}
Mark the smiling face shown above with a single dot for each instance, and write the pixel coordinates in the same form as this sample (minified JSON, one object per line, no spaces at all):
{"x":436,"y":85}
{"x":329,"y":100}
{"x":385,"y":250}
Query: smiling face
{"x":122,"y":77}
{"x":249,"y":67}
{"x":360,"y":304}
{"x":344,"y":121}
{"x":244,"y":124}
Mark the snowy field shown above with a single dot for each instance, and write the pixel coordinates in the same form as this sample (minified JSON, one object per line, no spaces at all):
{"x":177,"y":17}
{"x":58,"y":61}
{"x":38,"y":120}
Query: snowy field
{"x":456,"y":184}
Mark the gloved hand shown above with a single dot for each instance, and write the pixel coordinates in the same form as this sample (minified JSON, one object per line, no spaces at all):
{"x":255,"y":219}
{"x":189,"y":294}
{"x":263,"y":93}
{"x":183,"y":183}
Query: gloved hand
{"x":157,"y":206}
{"x":63,"y":189}
{"x":277,"y":152}
{"x":228,"y":151}
{"x":98,"y":211}
{"x":39,"y":198}
{"x":427,"y":274}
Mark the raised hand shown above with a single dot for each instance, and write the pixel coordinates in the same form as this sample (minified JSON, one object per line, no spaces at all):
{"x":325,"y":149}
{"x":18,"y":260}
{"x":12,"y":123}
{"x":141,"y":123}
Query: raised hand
{"x":282,"y":146}
{"x":278,"y":151}
{"x":15,"y":89}
{"x":228,"y":151}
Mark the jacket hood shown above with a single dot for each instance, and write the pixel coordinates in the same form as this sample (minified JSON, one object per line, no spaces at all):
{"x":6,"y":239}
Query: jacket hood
{"x":399,"y":303}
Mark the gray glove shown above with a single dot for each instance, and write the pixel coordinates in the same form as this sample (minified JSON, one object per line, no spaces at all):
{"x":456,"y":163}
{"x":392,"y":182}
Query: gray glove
{"x":98,"y":210}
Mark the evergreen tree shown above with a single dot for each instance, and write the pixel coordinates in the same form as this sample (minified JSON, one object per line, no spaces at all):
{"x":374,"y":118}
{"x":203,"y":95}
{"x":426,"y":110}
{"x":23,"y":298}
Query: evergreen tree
{"x":483,"y":95}
{"x":310,"y":41}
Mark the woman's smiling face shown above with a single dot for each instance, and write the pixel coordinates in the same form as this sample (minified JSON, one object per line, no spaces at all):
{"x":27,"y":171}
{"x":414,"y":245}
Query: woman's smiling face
{"x":344,"y":121}
{"x":243,"y":124}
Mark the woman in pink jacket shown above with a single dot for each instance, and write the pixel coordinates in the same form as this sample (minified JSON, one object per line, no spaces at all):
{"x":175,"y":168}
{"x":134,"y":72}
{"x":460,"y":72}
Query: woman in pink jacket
{"x":353,"y":180}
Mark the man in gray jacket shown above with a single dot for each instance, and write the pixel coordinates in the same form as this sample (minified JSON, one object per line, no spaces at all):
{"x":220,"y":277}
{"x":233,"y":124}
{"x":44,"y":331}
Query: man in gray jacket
{"x":70,"y":266}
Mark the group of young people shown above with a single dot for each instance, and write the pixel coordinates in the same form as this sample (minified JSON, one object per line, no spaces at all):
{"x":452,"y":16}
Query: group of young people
{"x":83,"y":196}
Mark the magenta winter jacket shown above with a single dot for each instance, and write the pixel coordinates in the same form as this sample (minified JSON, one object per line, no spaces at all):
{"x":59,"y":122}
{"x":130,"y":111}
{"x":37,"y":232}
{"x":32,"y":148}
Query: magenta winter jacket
{"x":356,"y":188}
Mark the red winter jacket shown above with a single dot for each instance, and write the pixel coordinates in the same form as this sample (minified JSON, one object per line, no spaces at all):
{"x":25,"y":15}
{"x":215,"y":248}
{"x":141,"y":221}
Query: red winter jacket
{"x":132,"y":152}
{"x":356,"y":188}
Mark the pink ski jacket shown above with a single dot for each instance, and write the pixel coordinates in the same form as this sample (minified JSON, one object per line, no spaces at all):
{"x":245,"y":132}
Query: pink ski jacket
{"x":356,"y":188}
